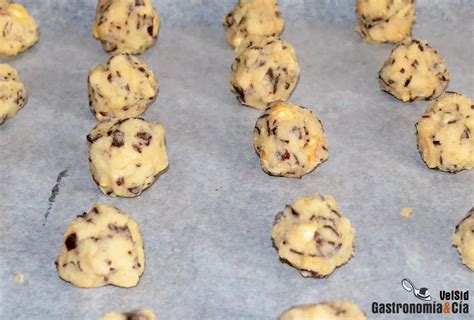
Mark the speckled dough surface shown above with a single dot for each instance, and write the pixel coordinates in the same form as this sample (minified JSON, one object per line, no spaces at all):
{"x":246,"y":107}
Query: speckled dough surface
{"x":463,"y":239}
{"x":12,"y":93}
{"x":414,"y":71}
{"x":445,"y":133}
{"x":145,"y":314}
{"x":331,"y":310}
{"x":289,"y":140}
{"x":260,"y":18}
{"x":385,"y":20}
{"x":123,"y":87}
{"x":126,"y":156}
{"x":100,"y":248}
{"x":313,"y":236}
{"x":19,"y":30}
{"x":265,"y":70}
{"x":126,"y":26}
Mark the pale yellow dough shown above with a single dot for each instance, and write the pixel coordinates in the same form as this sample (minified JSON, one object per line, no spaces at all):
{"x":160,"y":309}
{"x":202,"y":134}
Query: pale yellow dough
{"x":331,"y":310}
{"x":18,"y":30}
{"x":385,"y":20}
{"x":414,"y":71}
{"x":264,"y":70}
{"x":463,"y":239}
{"x":445,"y":133}
{"x":100,"y":248}
{"x":12,"y":93}
{"x":289,"y":140}
{"x":260,"y":18}
{"x":313,"y":236}
{"x":145,"y":314}
{"x":126,"y":156}
{"x":123,"y":87}
{"x":406,"y":212}
{"x":126,"y":26}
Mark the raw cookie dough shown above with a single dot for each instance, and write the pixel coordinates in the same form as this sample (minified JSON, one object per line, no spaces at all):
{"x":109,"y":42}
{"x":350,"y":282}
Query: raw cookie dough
{"x":19,"y":30}
{"x":289,"y":140}
{"x":385,"y":20}
{"x":331,"y":310}
{"x":260,"y":18}
{"x":414,"y":71}
{"x":126,"y":26}
{"x":12,"y":93}
{"x":313,"y":236}
{"x":445,"y":133}
{"x":265,"y":70}
{"x":123,"y":87}
{"x":145,"y":314}
{"x":463,"y":239}
{"x":126,"y":156}
{"x":102,"y":247}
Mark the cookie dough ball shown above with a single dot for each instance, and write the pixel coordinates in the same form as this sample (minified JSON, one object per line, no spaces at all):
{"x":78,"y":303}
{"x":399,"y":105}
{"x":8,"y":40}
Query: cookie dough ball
{"x":260,"y":18}
{"x":385,"y":20}
{"x":12,"y":92}
{"x":145,"y":314}
{"x":445,"y":133}
{"x":19,"y":30}
{"x":126,"y":26}
{"x":265,"y":70}
{"x":289,"y":140}
{"x":313,"y":236}
{"x":332,"y":310}
{"x":121,"y":88}
{"x":126,"y":156}
{"x":463,"y":239}
{"x":102,"y":247}
{"x":414,"y":71}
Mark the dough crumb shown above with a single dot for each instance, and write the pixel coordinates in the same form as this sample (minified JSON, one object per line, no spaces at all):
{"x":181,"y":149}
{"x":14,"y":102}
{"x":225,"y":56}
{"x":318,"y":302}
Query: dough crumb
{"x":20,"y":277}
{"x":406,"y":212}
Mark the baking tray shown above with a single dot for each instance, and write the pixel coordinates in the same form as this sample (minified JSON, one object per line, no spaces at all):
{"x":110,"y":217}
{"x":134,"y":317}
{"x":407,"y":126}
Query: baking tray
{"x":207,"y":222}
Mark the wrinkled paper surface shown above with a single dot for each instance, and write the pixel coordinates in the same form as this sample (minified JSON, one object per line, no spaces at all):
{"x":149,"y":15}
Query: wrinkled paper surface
{"x":207,"y":222}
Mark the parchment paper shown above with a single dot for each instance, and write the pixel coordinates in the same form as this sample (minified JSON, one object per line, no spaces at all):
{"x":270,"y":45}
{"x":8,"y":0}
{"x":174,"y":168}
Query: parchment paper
{"x":207,"y":222}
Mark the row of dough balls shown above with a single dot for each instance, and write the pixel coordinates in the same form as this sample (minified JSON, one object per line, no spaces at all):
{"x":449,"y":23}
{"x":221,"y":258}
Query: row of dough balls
{"x":336,"y":310}
{"x":289,"y":139}
{"x":105,"y":246}
{"x":123,"y":26}
{"x":265,"y":72}
{"x":19,"y":33}
{"x":415,"y":71}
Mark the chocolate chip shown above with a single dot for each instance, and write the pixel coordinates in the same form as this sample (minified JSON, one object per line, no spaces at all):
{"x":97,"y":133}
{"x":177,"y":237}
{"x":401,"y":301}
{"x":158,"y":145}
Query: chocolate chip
{"x":150,"y":30}
{"x":93,"y":139}
{"x":117,"y":139}
{"x":145,"y":136}
{"x":71,"y":242}
{"x":285,"y":156}
{"x":294,"y":212}
{"x":134,"y":190}
{"x":465,"y":134}
{"x":115,"y":228}
{"x":407,"y":82}
{"x":296,"y":252}
{"x":240,"y":92}
{"x":120,"y":181}
{"x":139,"y":3}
